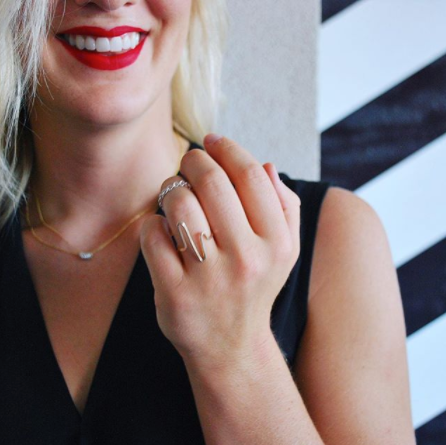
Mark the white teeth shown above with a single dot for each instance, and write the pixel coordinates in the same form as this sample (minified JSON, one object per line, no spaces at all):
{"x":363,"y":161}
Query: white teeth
{"x":80,"y":42}
{"x":90,"y":43}
{"x":103,"y":44}
{"x":116,"y":44}
{"x":135,"y":39}
{"x":126,"y":42}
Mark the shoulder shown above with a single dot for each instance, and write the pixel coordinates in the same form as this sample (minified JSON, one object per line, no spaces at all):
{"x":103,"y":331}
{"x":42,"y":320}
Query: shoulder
{"x":347,"y":208}
{"x":352,"y":357}
{"x":337,"y":209}
{"x":341,"y":231}
{"x":350,"y":238}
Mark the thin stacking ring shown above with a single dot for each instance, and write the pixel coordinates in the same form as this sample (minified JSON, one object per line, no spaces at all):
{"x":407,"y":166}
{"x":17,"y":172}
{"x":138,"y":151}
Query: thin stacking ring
{"x":182,"y":225}
{"x":169,"y":188}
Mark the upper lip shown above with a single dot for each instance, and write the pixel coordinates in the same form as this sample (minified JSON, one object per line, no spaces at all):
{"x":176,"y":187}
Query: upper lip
{"x":101,"y":32}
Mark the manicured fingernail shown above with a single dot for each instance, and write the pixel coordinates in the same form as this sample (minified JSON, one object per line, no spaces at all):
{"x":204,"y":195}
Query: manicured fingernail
{"x":212,"y":138}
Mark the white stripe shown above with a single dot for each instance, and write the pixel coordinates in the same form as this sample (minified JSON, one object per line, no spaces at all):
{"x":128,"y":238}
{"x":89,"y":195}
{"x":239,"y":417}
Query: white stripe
{"x":427,"y":370}
{"x":372,"y":46}
{"x":410,"y":199}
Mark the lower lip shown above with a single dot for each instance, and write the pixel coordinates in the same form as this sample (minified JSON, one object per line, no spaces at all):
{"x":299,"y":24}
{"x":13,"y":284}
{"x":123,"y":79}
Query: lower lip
{"x":99,"y":61}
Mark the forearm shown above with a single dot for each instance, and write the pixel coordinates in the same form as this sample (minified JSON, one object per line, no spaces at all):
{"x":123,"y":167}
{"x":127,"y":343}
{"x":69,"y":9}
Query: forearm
{"x":252,"y":401}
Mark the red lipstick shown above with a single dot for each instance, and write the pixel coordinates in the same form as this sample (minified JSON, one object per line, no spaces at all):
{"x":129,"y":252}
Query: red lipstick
{"x":101,"y":61}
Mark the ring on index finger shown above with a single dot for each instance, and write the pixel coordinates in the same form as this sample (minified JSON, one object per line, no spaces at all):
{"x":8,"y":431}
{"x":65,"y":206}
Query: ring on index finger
{"x":181,"y":225}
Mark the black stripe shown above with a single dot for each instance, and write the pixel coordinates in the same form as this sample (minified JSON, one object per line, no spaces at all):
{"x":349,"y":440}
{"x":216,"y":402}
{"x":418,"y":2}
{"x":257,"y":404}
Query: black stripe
{"x":433,"y":433}
{"x":332,"y":7}
{"x":387,"y":130}
{"x":423,"y":287}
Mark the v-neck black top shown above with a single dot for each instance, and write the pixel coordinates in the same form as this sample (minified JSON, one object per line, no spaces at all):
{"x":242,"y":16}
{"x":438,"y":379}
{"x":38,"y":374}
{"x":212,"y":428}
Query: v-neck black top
{"x":140,"y":392}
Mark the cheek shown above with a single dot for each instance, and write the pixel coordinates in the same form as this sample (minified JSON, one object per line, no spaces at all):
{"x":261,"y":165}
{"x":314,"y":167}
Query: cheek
{"x":170,"y":9}
{"x":173,"y":19}
{"x":63,"y":10}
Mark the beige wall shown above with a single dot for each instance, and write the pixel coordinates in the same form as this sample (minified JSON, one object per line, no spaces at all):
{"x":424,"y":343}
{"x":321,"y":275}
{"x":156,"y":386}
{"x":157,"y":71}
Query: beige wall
{"x":270,"y":83}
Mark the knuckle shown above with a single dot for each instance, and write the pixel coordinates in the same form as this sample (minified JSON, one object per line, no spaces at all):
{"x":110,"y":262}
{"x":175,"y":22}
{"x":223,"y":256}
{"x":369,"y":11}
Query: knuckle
{"x":297,"y":199}
{"x":194,"y":155}
{"x":292,"y":193}
{"x":249,"y":266}
{"x":231,"y":145}
{"x":253,"y":172}
{"x":211,"y":178}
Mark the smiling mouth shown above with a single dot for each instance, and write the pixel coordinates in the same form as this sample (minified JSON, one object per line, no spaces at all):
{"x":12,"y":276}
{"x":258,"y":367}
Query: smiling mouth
{"x":104,"y":45}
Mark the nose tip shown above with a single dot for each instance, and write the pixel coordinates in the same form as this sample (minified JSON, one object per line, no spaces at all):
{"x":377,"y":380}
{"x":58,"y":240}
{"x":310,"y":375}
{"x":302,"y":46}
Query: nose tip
{"x":106,"y":5}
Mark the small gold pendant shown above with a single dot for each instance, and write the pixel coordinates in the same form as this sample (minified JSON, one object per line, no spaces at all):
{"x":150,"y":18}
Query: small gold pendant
{"x":85,"y":255}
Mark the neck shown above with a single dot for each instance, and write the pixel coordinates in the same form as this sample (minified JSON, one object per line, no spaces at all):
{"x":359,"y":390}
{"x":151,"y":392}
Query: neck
{"x":89,"y":177}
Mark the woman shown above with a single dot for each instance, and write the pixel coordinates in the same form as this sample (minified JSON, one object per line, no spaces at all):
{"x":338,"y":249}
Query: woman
{"x":91,"y":197}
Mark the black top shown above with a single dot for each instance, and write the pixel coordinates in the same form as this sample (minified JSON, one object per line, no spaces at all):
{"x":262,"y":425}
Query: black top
{"x":140,"y":393}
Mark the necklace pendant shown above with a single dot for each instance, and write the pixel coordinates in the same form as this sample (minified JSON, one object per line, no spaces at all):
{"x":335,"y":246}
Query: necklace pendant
{"x":85,"y":255}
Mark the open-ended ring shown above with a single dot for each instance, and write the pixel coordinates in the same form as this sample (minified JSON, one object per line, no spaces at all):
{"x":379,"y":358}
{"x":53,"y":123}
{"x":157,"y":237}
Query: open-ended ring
{"x":181,"y":226}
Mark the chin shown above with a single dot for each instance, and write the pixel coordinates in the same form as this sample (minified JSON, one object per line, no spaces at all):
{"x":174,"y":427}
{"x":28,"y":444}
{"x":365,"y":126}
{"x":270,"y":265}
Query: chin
{"x":111,"y":110}
{"x":100,"y":104}
{"x":102,"y":97}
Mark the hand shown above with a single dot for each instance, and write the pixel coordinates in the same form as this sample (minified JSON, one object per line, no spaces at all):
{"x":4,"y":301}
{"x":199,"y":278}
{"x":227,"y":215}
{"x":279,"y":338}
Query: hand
{"x":219,"y":309}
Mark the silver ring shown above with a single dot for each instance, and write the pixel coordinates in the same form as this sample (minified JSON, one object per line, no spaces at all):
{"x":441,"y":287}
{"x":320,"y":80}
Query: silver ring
{"x":201,"y":257}
{"x":169,"y":188}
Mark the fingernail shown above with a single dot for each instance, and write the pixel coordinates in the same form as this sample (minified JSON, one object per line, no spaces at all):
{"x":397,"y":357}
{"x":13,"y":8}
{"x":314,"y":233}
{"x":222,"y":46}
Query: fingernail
{"x":279,"y":181}
{"x":212,"y":138}
{"x":276,"y":172}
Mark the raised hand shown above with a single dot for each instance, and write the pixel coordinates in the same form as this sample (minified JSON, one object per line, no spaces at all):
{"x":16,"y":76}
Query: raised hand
{"x":219,"y":309}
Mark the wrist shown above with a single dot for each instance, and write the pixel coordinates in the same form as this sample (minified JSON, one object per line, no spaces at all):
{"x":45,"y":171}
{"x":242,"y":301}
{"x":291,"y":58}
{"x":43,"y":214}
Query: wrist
{"x":256,"y":355}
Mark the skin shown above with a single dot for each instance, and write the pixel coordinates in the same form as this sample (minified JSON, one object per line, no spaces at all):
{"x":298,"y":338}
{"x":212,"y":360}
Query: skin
{"x":351,"y":367}
{"x":105,"y":140}
{"x":98,"y":154}
{"x":350,"y":379}
{"x":104,"y":145}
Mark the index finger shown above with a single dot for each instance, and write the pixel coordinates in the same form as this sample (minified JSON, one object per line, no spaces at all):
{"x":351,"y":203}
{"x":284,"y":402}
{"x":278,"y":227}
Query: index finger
{"x":253,"y":185}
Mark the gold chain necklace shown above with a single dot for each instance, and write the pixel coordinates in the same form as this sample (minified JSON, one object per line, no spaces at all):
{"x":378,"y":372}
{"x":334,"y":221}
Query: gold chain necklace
{"x":84,"y":255}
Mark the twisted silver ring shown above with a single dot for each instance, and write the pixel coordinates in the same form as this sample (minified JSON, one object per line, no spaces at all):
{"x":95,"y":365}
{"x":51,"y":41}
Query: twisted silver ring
{"x":169,"y":188}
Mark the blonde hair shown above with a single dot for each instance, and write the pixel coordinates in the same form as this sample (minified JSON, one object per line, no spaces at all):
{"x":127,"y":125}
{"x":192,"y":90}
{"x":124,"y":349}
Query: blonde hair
{"x":25,"y":24}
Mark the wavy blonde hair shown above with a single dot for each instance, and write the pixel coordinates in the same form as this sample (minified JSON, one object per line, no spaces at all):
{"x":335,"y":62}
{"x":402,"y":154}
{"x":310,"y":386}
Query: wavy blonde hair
{"x":24,"y":26}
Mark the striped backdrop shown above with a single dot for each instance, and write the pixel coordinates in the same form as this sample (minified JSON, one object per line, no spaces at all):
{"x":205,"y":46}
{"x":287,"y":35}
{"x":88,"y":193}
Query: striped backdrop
{"x":382,"y":116}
